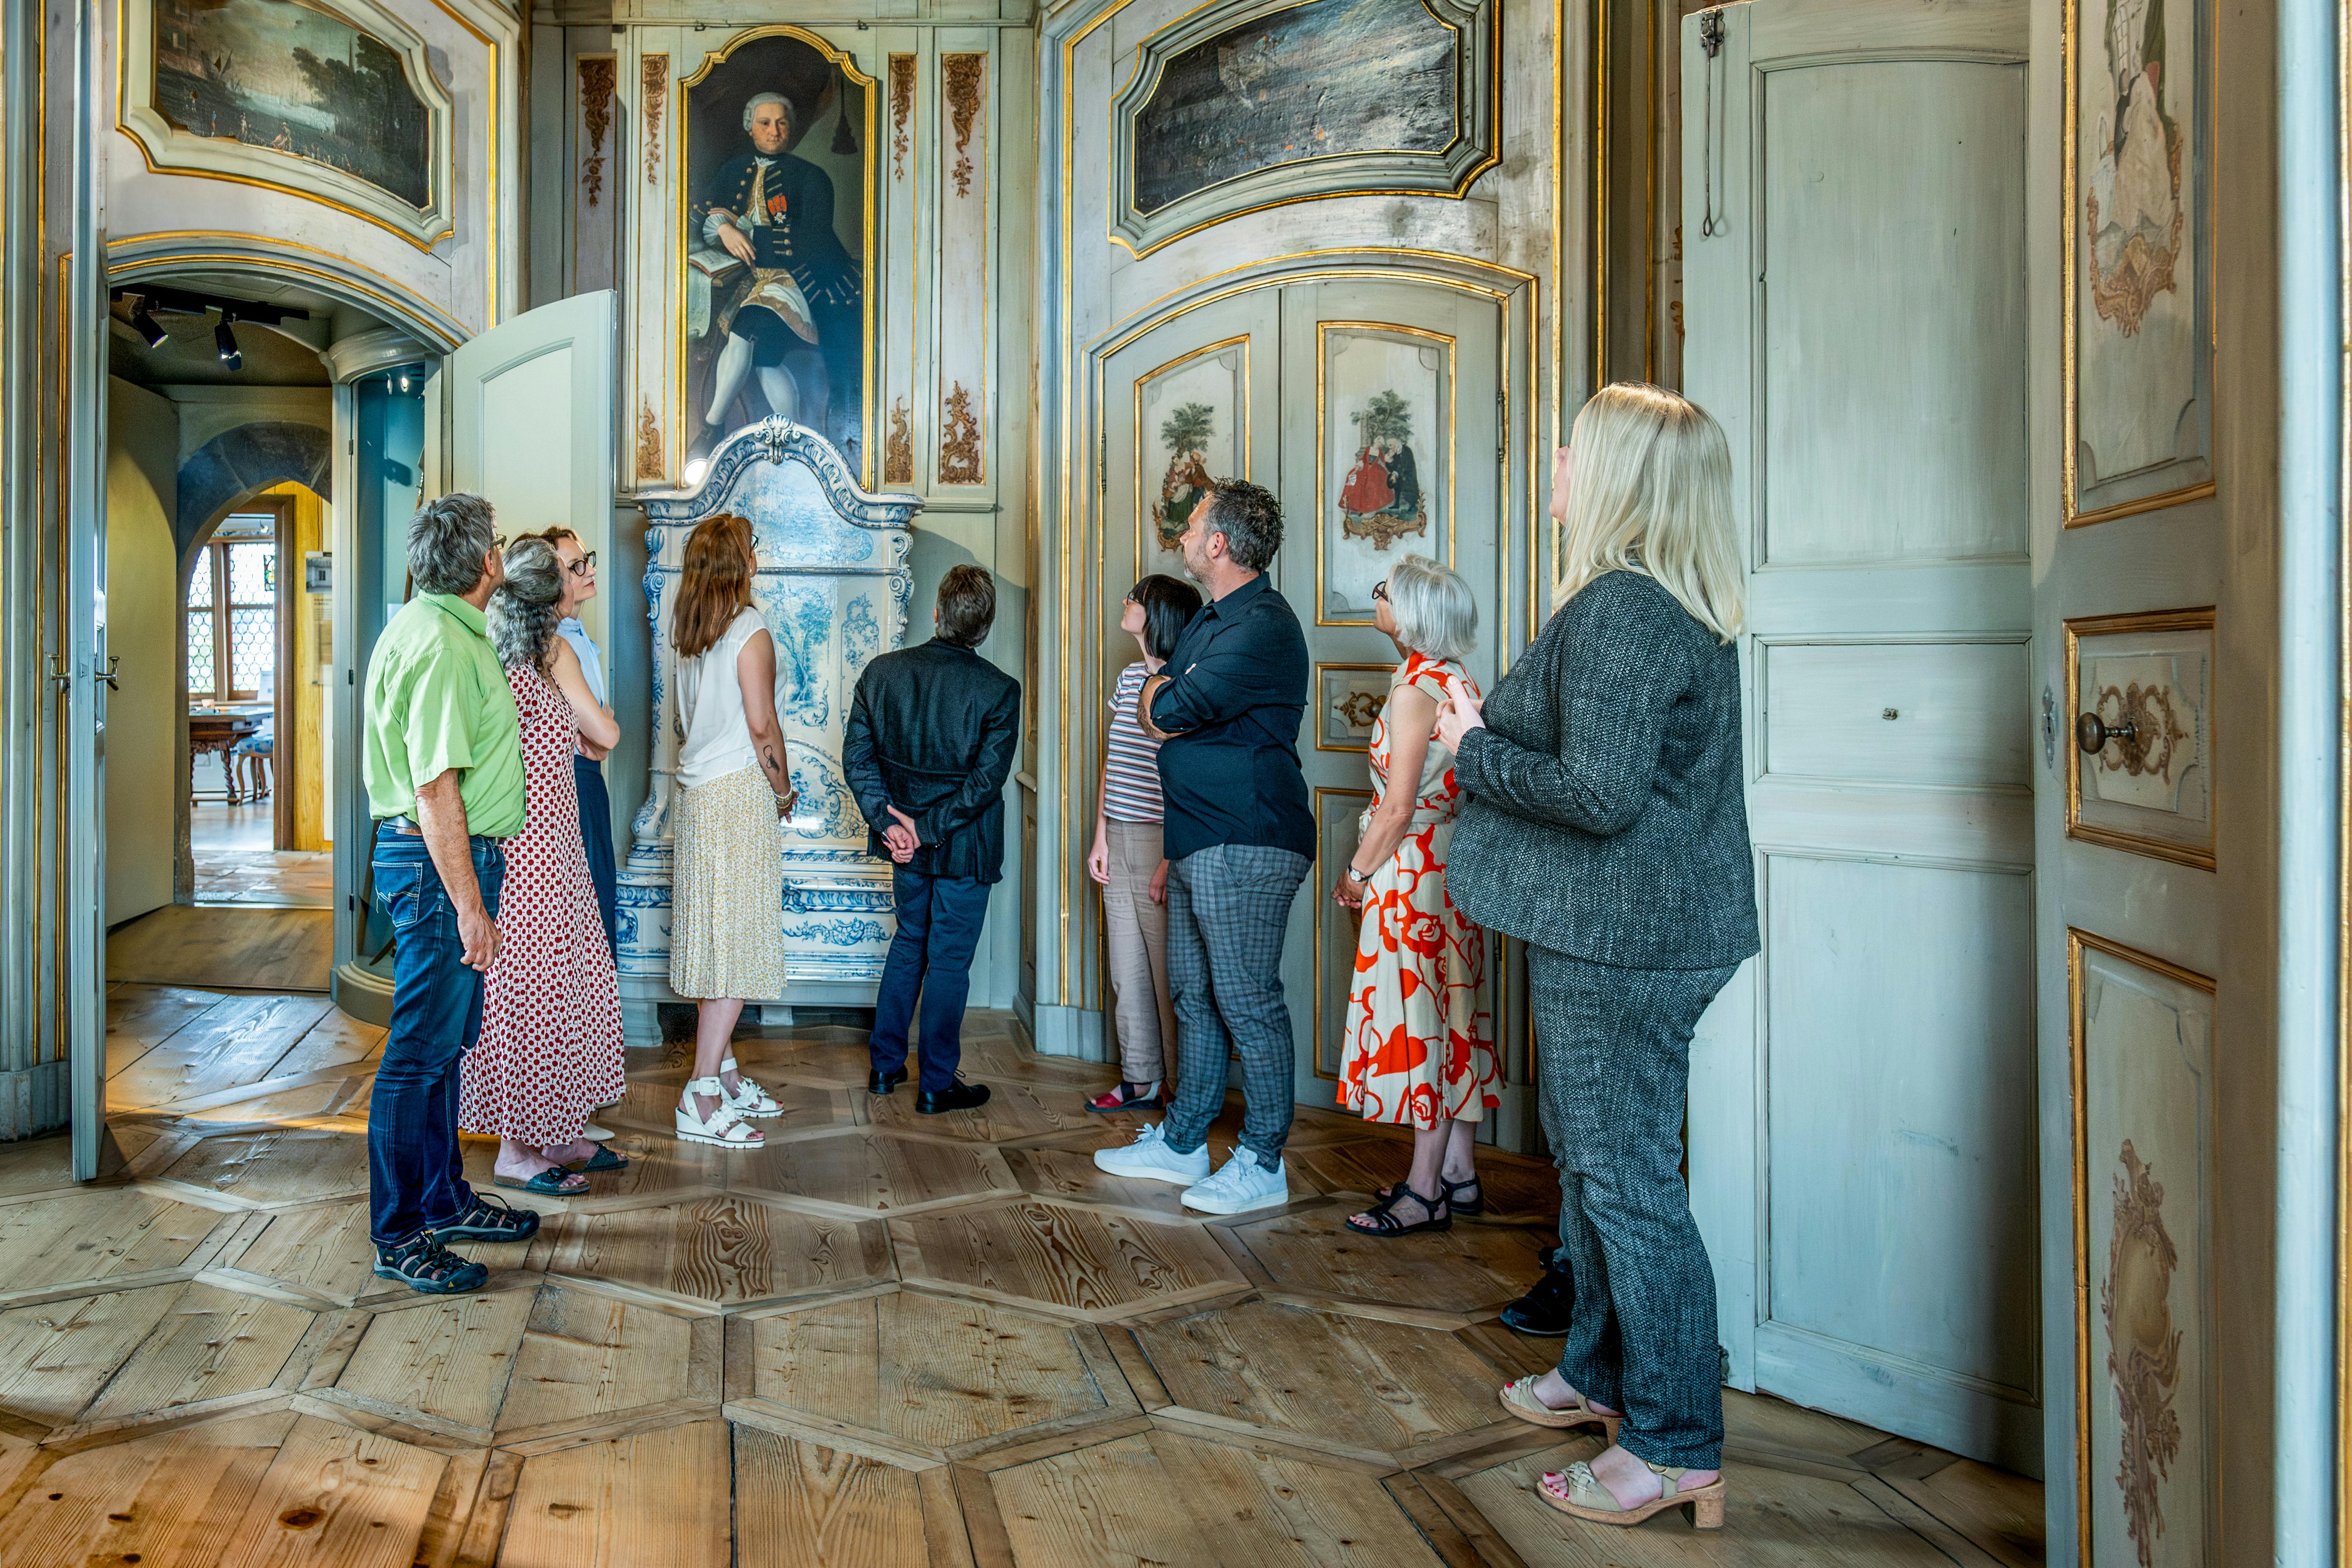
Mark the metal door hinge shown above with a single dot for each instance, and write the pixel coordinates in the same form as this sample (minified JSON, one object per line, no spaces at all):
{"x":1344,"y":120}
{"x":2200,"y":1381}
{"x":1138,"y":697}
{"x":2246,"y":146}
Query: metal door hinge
{"x":1710,"y":31}
{"x":2049,"y":728}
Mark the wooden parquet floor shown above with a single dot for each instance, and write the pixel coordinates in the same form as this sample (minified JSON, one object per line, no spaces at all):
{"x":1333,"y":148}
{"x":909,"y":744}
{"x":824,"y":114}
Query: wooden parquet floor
{"x":883,"y":1341}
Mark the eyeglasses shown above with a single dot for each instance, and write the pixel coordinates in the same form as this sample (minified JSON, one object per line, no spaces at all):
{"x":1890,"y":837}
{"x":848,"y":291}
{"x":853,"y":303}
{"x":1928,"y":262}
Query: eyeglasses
{"x":1380,"y":590}
{"x":586,"y":564}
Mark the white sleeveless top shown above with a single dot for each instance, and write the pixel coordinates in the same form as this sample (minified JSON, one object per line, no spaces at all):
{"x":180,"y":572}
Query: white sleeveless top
{"x":711,"y":705}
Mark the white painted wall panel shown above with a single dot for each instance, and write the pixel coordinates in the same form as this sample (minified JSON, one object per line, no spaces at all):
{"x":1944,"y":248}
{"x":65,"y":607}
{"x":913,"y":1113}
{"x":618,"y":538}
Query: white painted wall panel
{"x":1876,"y":286}
{"x":1899,"y":1144}
{"x":1938,"y":714}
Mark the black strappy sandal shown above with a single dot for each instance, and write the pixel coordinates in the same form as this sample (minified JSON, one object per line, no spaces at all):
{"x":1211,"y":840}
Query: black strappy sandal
{"x":1453,"y":1203}
{"x":1387,"y":1227}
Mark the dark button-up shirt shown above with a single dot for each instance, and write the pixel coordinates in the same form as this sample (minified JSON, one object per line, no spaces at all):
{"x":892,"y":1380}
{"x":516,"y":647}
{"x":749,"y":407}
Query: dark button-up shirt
{"x":1233,"y":705}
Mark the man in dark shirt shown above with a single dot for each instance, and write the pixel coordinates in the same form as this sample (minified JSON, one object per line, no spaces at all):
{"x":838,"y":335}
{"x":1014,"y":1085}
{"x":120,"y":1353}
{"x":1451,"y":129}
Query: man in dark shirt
{"x":1239,"y":837}
{"x":929,"y":745}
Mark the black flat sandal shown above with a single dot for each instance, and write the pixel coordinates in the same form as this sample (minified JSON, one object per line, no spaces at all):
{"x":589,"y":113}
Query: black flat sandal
{"x":1454,"y":1203}
{"x":1387,"y":1227}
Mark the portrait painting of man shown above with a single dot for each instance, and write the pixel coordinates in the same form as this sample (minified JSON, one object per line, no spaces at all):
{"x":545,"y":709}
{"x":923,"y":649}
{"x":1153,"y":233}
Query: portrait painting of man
{"x":776,"y":151}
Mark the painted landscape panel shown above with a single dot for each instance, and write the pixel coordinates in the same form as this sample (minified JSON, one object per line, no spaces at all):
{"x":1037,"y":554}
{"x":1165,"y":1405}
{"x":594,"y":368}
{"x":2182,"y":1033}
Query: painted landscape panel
{"x":295,"y":80}
{"x":1311,"y":81}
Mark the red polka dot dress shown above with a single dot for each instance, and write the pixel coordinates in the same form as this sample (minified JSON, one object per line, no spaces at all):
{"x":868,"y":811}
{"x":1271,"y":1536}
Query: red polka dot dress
{"x":549,"y":1051}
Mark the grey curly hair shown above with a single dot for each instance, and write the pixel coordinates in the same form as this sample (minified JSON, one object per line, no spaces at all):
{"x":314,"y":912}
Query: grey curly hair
{"x":791,"y":115}
{"x":523,"y":613}
{"x":447,"y":541}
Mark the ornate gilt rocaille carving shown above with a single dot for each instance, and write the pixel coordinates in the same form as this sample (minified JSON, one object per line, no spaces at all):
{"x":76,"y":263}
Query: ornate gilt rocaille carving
{"x":654,"y":80}
{"x":650,"y":443}
{"x":959,"y":458}
{"x":599,"y":76}
{"x":962,"y":76}
{"x":902,"y":112}
{"x":899,"y":450}
{"x":2143,"y":1347}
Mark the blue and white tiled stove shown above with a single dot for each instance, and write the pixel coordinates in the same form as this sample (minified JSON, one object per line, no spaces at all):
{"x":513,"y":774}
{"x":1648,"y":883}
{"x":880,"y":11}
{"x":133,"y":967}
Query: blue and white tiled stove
{"x":834,"y":585}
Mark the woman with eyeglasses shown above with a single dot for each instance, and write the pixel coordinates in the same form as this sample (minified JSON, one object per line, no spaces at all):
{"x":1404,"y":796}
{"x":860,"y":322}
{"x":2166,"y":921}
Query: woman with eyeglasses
{"x":549,"y":1050}
{"x":1126,"y":858}
{"x":588,"y":764}
{"x":1418,"y":1050}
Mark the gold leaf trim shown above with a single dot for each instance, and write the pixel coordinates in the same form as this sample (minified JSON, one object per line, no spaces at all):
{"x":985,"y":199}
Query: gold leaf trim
{"x":902,"y":112}
{"x":598,"y":76}
{"x":655,"y":79}
{"x":650,"y":446}
{"x":898,"y":449}
{"x":2144,"y":1348}
{"x":963,"y":75}
{"x":959,"y":458}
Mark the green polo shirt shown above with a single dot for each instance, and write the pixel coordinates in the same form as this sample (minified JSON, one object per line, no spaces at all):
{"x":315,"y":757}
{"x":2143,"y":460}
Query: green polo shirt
{"x":437,"y":699}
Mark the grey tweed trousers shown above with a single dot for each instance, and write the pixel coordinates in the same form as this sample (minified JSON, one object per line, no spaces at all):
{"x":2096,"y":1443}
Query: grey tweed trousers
{"x":1613,"y":1070}
{"x":1228,"y":909}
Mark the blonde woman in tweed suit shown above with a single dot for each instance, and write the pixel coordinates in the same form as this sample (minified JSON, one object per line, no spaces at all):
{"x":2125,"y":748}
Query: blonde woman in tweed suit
{"x":1605,"y":826}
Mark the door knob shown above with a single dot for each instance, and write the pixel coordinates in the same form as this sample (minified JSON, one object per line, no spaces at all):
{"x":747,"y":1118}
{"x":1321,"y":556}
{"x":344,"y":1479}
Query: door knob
{"x":2092,"y":733}
{"x":107,"y":676}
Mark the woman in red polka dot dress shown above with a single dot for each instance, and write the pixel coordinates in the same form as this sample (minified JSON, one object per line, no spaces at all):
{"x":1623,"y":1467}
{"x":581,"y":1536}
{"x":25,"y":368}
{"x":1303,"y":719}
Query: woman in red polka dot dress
{"x":549,"y":1051}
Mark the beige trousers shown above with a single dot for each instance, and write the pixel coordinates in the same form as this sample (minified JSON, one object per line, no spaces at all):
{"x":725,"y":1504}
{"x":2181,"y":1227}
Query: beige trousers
{"x":1137,"y":932}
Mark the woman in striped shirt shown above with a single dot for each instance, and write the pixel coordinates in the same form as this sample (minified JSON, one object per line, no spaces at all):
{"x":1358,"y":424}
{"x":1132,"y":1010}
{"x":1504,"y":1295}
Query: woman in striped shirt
{"x":1125,"y":857}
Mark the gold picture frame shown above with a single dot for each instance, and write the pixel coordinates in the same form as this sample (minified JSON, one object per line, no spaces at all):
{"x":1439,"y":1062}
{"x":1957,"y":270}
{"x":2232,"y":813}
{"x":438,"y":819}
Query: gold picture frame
{"x":1387,"y":673}
{"x":2080,"y":944}
{"x":2198,"y":619}
{"x":1244,"y":433}
{"x":681,"y":170}
{"x":1443,"y":525}
{"x":2193,"y":194}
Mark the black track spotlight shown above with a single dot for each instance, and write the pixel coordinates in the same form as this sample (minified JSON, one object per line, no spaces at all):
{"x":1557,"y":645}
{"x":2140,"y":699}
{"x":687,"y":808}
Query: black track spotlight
{"x":144,"y":323}
{"x":224,"y":340}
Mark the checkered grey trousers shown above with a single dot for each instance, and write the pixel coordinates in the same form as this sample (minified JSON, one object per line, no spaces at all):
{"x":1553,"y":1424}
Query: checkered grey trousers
{"x":1613,"y":1068}
{"x":1228,"y":907}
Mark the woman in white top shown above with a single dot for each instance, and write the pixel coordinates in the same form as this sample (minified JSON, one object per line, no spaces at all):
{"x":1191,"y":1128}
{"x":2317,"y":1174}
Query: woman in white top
{"x":1125,"y":857}
{"x":726,"y":938}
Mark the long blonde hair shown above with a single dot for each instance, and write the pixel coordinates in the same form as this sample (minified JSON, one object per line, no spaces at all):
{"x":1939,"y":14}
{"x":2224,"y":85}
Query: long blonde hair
{"x":1650,"y":492}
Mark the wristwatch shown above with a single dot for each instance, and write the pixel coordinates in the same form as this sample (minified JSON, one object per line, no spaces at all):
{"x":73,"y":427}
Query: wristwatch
{"x":1359,"y":878}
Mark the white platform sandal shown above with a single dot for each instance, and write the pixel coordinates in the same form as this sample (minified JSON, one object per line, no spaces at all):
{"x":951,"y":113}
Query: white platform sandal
{"x":749,"y":1098}
{"x":726,"y":1126}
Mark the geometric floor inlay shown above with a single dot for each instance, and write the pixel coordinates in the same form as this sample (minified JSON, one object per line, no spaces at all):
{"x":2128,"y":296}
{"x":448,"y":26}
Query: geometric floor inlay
{"x":884,"y":1339}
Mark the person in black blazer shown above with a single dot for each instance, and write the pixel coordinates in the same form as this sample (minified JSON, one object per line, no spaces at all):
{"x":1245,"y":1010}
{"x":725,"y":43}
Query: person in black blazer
{"x":1605,"y":825}
{"x":930,"y":742}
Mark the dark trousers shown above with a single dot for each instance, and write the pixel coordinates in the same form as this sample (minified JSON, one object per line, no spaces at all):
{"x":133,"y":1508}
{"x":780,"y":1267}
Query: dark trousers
{"x":1228,"y":910}
{"x":1614,"y":1064}
{"x":931,"y":956}
{"x":596,"y":834}
{"x":415,"y":1177}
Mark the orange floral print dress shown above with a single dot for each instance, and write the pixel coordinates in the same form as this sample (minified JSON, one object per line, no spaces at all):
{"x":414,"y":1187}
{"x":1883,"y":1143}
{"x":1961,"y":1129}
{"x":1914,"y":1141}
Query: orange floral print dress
{"x":1420,"y":1036}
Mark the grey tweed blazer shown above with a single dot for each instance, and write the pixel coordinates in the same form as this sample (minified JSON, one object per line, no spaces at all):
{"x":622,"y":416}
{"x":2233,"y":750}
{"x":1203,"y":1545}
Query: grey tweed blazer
{"x":1605,"y":815}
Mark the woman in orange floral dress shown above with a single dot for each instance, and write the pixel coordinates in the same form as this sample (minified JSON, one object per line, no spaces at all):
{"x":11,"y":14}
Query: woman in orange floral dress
{"x":1420,"y":1046}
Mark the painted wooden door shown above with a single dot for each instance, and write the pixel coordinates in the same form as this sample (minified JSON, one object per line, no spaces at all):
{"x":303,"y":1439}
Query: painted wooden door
{"x":1862,"y":1116}
{"x":1388,"y":388}
{"x":532,"y":430}
{"x":1194,"y":398}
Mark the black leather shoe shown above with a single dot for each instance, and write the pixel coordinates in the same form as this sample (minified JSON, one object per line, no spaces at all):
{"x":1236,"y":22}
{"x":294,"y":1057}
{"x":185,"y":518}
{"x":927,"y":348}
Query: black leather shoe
{"x":880,"y":1083}
{"x":956,"y":1096}
{"x":1547,"y":1306}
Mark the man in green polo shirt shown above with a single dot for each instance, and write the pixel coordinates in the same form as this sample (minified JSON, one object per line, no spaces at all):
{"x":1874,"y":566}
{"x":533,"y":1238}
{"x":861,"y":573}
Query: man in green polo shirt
{"x":443,"y":765}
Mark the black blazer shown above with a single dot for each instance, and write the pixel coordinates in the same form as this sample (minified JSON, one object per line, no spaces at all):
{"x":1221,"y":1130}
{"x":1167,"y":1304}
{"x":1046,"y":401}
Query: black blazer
{"x":932,"y":731}
{"x":1605,"y":816}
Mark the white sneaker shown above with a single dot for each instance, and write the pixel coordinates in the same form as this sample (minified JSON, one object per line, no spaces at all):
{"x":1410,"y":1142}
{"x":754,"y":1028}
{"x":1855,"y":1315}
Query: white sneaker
{"x":1240,"y":1185}
{"x":1150,"y":1157}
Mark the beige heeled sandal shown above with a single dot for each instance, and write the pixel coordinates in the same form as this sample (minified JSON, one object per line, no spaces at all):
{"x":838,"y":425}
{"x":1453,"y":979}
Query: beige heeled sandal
{"x":1519,"y":1399}
{"x":1581,"y":1496}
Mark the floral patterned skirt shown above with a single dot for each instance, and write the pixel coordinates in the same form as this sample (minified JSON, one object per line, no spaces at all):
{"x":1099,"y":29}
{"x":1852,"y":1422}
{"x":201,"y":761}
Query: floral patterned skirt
{"x":1420,"y":1036}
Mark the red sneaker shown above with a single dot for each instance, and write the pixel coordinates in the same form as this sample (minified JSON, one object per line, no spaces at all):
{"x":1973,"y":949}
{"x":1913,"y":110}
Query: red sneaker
{"x":1126,"y":1097}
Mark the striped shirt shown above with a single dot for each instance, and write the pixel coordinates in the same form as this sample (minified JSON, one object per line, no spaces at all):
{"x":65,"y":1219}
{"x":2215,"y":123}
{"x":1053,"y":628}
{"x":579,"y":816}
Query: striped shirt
{"x":1131,"y":775}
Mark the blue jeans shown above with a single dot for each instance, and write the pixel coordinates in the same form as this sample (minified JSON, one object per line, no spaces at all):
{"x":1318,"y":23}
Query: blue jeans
{"x":416,"y":1176}
{"x":596,"y":836}
{"x":939,"y":930}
